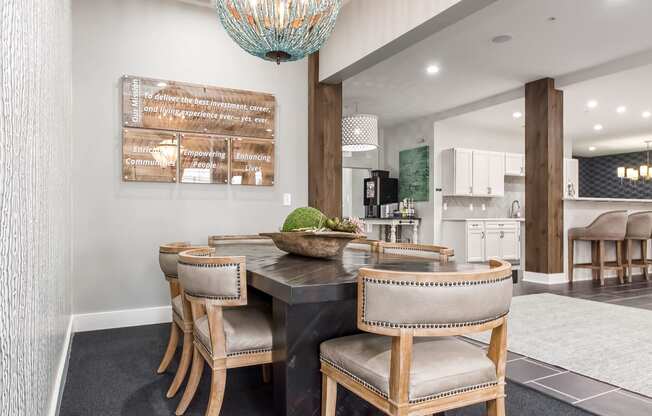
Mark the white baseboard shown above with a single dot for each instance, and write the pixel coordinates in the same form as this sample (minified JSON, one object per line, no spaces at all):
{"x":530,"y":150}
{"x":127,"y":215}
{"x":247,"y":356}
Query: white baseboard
{"x":62,"y":371}
{"x":121,"y":319}
{"x":545,"y":278}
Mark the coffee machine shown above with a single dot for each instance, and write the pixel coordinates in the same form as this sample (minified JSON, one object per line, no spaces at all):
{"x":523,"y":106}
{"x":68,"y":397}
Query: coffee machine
{"x":379,"y":190}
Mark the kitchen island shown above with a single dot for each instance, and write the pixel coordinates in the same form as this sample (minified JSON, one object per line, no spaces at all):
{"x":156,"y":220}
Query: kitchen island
{"x":315,"y":300}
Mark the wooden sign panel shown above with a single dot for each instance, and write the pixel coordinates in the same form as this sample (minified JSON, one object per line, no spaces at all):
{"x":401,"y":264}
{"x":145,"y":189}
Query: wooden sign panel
{"x":204,"y":158}
{"x":252,"y":162}
{"x":149,"y":156}
{"x":168,"y":105}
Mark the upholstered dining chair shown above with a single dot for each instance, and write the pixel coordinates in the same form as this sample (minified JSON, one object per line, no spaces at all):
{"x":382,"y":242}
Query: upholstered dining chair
{"x":610,"y":226}
{"x":639,"y":229}
{"x":364,"y":244}
{"x":409,"y":361}
{"x":216,"y":240}
{"x":443,"y":254}
{"x":224,"y":338}
{"x":181,"y":319}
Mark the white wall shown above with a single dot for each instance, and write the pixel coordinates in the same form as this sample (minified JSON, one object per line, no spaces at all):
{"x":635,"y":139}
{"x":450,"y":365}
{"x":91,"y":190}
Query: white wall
{"x":417,"y":133}
{"x":364,"y":26}
{"x":35,"y":201}
{"x":118,"y":226}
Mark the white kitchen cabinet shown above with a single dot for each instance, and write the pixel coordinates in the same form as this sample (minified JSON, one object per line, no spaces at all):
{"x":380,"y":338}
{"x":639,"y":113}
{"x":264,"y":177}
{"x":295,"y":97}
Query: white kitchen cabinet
{"x":473,"y":173}
{"x":475,"y":244}
{"x":487,"y":240}
{"x":571,"y":179}
{"x":514,"y":164}
{"x":457,"y":166}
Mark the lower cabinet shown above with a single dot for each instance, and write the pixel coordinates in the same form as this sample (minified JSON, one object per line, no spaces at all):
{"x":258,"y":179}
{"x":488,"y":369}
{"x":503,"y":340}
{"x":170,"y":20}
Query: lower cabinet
{"x":493,"y":239}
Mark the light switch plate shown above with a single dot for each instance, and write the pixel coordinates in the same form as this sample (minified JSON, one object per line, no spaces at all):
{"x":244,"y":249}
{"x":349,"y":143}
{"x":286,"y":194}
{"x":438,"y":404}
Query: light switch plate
{"x":287,"y":200}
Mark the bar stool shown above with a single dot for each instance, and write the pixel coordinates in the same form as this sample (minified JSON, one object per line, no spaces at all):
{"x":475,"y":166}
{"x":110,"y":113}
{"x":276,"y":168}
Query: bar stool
{"x":410,"y":361}
{"x":181,"y":318}
{"x":639,"y":228}
{"x":440,"y":253}
{"x":223,"y":337}
{"x":609,"y":226}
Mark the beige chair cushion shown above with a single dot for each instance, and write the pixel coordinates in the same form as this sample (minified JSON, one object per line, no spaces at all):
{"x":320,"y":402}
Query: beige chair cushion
{"x":168,"y":263}
{"x":639,"y":226}
{"x":212,"y":281}
{"x":177,"y":305}
{"x":610,"y":226}
{"x":440,"y":366}
{"x":247,"y":330}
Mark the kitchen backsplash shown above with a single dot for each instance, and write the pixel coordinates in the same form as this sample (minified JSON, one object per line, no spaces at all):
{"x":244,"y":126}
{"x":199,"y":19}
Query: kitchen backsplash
{"x":458,"y":206}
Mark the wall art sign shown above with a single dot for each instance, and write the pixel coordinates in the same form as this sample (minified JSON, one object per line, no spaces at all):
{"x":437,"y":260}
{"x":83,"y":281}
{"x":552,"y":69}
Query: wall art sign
{"x":252,"y":162}
{"x":149,"y":155}
{"x":414,"y":174}
{"x":170,"y":105}
{"x":203,"y":158}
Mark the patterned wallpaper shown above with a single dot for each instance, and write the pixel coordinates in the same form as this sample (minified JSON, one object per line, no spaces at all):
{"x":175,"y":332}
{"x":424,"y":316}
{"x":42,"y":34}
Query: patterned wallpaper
{"x":35,"y":200}
{"x":598,"y":179}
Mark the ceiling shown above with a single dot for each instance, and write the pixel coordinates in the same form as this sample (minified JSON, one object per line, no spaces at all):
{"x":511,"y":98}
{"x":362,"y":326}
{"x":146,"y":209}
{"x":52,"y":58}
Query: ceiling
{"x":582,"y":35}
{"x":621,"y":133}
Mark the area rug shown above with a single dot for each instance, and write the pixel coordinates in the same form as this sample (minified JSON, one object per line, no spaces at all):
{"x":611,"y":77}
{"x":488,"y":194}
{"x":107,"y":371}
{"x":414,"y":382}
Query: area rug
{"x":610,"y":343}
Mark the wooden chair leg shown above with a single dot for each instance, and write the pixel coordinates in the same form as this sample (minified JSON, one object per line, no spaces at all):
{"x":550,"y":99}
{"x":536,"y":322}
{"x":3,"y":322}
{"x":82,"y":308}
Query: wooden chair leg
{"x":170,"y":350}
{"x":619,"y":261}
{"x":328,"y":396}
{"x":218,"y":382}
{"x":594,"y":259}
{"x":644,"y":258}
{"x":193,"y":382}
{"x":571,"y":261}
{"x":601,"y":260}
{"x":496,"y":407}
{"x":630,"y":256}
{"x":184,"y":364}
{"x":267,"y":373}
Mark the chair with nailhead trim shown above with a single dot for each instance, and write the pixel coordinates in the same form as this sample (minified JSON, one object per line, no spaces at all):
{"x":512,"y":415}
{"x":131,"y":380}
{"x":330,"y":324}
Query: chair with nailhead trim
{"x":410,"y":360}
{"x":227,"y":334}
{"x":181,"y":319}
{"x":443,"y":254}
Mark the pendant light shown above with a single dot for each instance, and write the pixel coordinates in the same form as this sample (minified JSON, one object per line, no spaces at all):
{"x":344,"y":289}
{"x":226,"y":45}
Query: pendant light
{"x":645,"y":170}
{"x":359,"y":132}
{"x":279,"y":30}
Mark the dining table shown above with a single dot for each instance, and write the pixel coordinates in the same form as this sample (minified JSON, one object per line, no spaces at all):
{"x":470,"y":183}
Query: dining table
{"x":314,"y":300}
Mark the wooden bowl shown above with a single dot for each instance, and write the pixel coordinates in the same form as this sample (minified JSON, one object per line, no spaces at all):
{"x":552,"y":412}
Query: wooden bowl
{"x":320,"y":244}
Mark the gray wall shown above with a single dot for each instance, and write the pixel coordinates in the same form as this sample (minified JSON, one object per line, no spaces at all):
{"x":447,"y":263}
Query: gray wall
{"x":35,"y":201}
{"x":118,"y":226}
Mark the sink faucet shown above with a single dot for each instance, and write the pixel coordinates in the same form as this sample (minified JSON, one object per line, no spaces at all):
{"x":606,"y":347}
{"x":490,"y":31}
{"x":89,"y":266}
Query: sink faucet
{"x":515,"y":212}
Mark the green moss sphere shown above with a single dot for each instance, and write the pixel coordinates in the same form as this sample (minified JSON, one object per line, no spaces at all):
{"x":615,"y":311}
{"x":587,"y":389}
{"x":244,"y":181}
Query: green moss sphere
{"x":306,"y":217}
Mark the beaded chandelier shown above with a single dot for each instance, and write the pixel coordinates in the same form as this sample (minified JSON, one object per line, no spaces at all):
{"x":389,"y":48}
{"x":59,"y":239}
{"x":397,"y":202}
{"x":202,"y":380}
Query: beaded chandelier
{"x":279,"y":30}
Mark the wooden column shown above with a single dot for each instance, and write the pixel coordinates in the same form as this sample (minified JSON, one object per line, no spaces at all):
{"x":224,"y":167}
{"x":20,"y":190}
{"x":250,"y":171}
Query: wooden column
{"x":324,"y":142}
{"x":544,"y":161}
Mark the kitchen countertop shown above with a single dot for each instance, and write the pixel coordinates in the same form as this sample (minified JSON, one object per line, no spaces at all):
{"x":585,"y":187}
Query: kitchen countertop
{"x":609,"y":200}
{"x":484,"y":219}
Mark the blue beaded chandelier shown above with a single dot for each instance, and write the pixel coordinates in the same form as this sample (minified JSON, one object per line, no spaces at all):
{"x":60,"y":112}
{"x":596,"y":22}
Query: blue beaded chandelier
{"x":279,"y":30}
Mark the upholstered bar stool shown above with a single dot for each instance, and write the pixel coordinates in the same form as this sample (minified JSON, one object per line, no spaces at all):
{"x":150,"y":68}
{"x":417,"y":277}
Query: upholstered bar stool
{"x":639,"y":229}
{"x":443,"y":254}
{"x":410,"y":362}
{"x":223,"y":338}
{"x":607,"y":227}
{"x":181,"y":319}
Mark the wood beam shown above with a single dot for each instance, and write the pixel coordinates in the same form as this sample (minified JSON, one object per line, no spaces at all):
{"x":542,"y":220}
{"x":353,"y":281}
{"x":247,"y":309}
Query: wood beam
{"x":324,"y":142}
{"x":544,"y":160}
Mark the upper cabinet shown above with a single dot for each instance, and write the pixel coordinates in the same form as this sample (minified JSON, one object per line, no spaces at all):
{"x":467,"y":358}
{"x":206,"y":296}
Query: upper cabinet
{"x":473,"y":173}
{"x":514,"y":164}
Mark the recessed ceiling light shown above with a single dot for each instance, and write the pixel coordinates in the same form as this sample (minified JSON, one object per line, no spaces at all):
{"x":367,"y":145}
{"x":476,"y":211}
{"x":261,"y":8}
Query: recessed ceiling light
{"x":592,"y":104}
{"x":517,"y":114}
{"x":501,"y":38}
{"x":646,"y":114}
{"x":621,"y":110}
{"x":432,"y":69}
{"x":592,"y":148}
{"x":598,"y":127}
{"x":161,"y":84}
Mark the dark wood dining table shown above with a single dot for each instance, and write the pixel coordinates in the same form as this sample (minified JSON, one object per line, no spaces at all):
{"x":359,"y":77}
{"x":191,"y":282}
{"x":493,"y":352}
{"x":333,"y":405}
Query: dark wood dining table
{"x":313,"y":300}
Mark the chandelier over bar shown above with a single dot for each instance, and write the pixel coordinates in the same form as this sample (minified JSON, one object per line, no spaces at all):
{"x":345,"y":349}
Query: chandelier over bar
{"x":279,"y":30}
